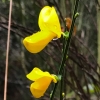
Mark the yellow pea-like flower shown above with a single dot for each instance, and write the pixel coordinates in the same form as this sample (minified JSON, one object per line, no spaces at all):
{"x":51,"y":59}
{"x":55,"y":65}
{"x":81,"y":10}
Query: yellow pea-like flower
{"x":48,"y":20}
{"x":50,"y":28}
{"x":41,"y":82}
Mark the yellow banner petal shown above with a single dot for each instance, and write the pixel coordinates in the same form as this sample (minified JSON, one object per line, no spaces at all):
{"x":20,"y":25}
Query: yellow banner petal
{"x":48,"y":20}
{"x":36,"y":74}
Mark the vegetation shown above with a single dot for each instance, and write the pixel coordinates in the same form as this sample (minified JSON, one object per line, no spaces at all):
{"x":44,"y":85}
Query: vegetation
{"x":80,"y":71}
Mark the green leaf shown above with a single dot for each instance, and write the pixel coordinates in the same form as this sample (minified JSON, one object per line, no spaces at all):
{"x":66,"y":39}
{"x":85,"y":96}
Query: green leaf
{"x":66,"y":34}
{"x":76,"y":15}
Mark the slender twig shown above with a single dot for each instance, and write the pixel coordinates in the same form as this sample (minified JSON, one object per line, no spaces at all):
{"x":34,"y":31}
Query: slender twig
{"x":62,"y":84}
{"x":7,"y":52}
{"x":66,"y":47}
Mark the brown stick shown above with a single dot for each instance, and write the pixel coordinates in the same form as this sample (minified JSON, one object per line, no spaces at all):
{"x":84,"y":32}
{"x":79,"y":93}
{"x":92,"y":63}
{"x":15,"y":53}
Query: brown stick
{"x":7,"y":52}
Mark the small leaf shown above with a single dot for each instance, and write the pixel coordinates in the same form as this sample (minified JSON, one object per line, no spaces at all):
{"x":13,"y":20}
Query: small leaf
{"x":58,"y":77}
{"x":66,"y":34}
{"x":76,"y":15}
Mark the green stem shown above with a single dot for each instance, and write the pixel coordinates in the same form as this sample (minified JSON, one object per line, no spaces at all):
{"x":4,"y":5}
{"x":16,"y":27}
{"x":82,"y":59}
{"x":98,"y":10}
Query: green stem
{"x":62,"y":84}
{"x":66,"y":47}
{"x":61,"y":89}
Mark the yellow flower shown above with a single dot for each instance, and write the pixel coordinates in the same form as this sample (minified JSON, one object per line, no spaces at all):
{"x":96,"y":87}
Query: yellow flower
{"x":50,"y":28}
{"x":36,"y":42}
{"x":41,"y":82}
{"x":48,"y":20}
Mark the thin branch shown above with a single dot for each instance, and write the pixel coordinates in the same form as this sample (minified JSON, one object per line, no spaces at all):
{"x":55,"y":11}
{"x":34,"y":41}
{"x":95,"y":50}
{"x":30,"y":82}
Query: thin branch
{"x":7,"y":52}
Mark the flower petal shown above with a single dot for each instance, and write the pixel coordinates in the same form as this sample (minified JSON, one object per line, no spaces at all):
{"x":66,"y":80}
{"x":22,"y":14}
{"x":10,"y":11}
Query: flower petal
{"x":36,"y":73}
{"x":36,"y":93}
{"x":36,"y":42}
{"x":48,"y":20}
{"x":39,"y":87}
